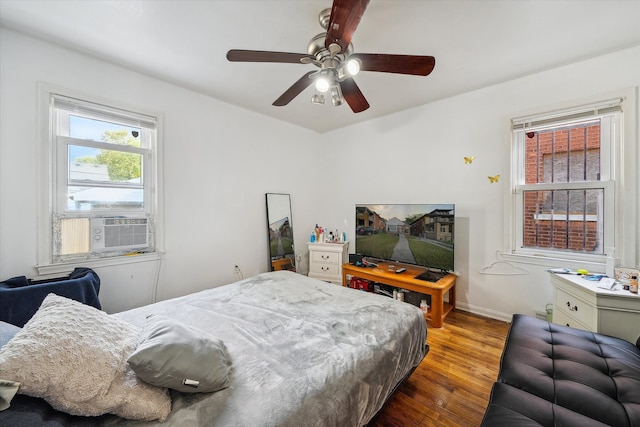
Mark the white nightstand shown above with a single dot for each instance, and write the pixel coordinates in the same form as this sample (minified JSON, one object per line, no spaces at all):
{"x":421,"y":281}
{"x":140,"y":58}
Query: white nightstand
{"x":326,"y":259}
{"x":581,"y":304}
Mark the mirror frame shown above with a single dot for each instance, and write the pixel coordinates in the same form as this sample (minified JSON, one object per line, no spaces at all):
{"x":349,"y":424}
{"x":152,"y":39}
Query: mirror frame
{"x":279,"y":215}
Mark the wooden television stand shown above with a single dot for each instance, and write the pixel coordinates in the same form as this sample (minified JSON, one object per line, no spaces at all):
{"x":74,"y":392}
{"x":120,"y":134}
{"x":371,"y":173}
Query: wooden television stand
{"x":406,"y":280}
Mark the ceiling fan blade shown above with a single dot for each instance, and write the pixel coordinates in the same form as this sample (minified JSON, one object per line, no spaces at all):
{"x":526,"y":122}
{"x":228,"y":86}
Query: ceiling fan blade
{"x":239,"y":55}
{"x":345,"y":17}
{"x":294,"y":90}
{"x":354,"y":97}
{"x":401,"y":64}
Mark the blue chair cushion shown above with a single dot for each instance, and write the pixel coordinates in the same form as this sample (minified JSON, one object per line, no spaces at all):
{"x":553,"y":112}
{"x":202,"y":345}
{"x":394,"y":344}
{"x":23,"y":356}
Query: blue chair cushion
{"x":20,"y":297}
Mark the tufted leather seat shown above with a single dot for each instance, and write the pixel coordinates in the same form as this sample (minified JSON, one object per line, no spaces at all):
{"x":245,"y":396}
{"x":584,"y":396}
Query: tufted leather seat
{"x":553,"y":375}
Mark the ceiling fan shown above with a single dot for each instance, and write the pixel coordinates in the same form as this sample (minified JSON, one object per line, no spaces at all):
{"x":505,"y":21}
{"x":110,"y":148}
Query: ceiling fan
{"x":332,"y":53}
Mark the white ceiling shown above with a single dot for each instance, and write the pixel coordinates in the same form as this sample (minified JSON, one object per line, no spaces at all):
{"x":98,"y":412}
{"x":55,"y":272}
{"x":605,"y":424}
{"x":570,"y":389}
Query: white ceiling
{"x":476,"y":43}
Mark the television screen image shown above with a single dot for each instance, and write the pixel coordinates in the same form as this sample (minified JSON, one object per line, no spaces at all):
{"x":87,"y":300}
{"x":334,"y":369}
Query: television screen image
{"x":419,"y":234}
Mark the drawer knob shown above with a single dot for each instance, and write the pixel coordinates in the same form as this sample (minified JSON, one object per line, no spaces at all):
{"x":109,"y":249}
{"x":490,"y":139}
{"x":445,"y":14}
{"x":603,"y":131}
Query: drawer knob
{"x":325,"y":256}
{"x":574,"y":308}
{"x":325,"y":268}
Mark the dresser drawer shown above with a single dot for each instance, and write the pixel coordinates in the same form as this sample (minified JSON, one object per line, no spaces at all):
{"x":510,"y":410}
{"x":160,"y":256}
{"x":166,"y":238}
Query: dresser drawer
{"x":326,"y":269}
{"x":562,"y":319}
{"x":326,"y":257}
{"x":575,"y":308}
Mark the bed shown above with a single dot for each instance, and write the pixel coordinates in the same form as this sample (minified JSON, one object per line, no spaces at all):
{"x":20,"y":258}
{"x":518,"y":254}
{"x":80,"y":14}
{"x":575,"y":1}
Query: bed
{"x":302,"y":352}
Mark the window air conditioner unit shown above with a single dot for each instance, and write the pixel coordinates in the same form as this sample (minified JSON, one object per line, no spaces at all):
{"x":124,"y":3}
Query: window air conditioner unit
{"x":119,"y":234}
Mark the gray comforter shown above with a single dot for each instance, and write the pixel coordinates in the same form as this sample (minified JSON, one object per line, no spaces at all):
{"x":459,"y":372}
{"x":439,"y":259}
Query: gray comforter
{"x":304,"y":352}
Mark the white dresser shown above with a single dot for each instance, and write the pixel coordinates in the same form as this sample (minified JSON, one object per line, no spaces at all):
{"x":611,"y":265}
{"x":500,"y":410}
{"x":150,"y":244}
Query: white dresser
{"x":581,"y":304}
{"x":326,"y":259}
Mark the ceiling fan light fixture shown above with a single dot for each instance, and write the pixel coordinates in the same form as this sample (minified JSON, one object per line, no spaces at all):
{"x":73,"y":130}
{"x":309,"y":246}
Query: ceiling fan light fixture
{"x":317,"y":99}
{"x":336,"y":95}
{"x":322,"y":84}
{"x":353,"y":66}
{"x":349,"y":69}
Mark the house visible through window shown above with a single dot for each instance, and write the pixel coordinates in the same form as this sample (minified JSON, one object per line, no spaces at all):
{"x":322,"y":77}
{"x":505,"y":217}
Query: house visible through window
{"x":564,"y":189}
{"x":566,"y":219}
{"x":104,"y":168}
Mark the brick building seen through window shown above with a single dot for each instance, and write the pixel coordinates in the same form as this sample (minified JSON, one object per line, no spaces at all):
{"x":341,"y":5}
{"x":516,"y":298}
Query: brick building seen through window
{"x":564,"y":219}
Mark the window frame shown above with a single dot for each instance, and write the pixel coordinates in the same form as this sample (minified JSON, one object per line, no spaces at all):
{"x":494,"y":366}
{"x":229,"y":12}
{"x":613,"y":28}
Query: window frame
{"x":63,"y":181}
{"x":54,"y":178}
{"x":617,"y":181}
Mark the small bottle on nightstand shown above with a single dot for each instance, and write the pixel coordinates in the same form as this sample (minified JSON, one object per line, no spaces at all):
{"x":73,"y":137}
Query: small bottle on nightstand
{"x":633,"y":285}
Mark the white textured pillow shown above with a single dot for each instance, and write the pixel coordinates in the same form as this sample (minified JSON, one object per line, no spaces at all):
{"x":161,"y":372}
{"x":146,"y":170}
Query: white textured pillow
{"x":75,"y":357}
{"x":178,"y":356}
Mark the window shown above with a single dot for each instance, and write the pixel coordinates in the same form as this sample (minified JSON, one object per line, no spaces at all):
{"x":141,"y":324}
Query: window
{"x":103,"y":184}
{"x":564,"y":182}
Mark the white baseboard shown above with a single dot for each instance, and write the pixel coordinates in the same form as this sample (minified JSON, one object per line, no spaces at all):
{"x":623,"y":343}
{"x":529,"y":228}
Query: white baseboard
{"x":481,"y":311}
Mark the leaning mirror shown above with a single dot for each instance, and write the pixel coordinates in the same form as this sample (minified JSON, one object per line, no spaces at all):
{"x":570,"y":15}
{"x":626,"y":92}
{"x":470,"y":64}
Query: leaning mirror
{"x":280,"y":229}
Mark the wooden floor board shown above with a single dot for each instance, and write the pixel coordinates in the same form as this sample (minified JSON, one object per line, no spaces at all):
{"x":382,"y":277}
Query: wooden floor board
{"x":451,"y":387}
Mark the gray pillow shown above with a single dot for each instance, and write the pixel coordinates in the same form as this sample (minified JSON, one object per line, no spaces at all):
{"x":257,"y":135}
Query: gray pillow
{"x":177,"y":356}
{"x":7,"y":331}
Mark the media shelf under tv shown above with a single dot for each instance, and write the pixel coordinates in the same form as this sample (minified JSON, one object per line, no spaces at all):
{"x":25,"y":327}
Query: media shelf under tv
{"x":408,"y":279}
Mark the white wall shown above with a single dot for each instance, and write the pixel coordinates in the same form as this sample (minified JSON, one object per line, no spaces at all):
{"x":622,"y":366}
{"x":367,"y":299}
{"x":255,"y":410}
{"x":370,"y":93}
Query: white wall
{"x":417,"y":156}
{"x":216,"y":173}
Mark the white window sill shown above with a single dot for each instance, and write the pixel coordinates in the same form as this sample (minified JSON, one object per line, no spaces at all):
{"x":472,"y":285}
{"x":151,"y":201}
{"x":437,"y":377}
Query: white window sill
{"x":67,"y":267}
{"x":554,"y":262}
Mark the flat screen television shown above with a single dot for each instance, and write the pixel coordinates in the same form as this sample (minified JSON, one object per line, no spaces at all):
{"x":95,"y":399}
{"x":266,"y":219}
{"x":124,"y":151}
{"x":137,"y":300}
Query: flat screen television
{"x":418,"y":234}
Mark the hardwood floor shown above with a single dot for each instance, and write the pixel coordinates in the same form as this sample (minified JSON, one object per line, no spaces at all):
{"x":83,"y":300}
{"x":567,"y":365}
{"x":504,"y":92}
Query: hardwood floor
{"x":452,"y":384}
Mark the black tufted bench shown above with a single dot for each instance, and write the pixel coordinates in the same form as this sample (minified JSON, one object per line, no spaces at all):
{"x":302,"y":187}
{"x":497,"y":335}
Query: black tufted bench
{"x":553,"y":375}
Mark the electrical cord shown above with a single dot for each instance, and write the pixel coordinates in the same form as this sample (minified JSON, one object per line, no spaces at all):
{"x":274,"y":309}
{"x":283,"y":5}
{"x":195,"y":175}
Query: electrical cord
{"x":239,"y":271}
{"x":155,"y":286}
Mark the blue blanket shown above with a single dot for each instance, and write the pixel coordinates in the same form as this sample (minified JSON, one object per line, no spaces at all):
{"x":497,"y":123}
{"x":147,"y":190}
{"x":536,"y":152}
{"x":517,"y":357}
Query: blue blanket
{"x":20,"y":297}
